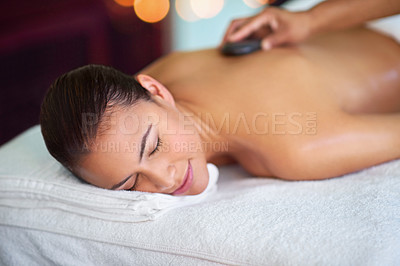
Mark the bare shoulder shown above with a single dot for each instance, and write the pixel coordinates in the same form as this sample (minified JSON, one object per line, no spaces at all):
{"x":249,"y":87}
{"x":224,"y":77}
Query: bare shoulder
{"x":160,"y":63}
{"x":176,"y":65}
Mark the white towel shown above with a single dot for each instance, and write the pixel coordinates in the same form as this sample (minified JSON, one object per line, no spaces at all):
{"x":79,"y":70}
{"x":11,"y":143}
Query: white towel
{"x":128,"y":206}
{"x":389,"y":26}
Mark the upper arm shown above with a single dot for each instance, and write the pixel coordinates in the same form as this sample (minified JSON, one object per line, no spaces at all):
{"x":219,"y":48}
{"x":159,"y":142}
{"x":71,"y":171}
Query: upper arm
{"x":342,"y":144}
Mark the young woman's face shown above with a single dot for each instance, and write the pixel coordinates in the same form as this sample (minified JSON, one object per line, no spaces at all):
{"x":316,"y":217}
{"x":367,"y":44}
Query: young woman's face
{"x":148,"y":147}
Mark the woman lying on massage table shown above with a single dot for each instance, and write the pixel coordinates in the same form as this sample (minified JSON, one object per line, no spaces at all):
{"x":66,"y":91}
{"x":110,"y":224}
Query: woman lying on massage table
{"x":326,"y":107}
{"x":318,"y":110}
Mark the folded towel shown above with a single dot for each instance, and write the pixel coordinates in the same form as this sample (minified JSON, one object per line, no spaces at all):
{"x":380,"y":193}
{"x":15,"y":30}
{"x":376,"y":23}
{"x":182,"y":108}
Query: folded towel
{"x":127,"y":206}
{"x":389,"y":26}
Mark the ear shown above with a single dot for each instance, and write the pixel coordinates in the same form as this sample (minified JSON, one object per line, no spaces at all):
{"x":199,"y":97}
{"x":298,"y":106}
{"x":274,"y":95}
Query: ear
{"x":155,"y":88}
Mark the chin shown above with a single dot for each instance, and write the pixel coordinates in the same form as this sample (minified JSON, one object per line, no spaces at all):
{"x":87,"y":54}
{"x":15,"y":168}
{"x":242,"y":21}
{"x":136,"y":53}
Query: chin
{"x":201,"y":178}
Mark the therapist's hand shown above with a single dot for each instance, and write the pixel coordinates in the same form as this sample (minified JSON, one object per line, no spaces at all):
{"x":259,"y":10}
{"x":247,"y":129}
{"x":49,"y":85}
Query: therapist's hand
{"x":274,"y":26}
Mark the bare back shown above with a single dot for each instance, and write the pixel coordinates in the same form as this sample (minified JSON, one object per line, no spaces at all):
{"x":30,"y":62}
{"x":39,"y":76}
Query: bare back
{"x":352,"y":71}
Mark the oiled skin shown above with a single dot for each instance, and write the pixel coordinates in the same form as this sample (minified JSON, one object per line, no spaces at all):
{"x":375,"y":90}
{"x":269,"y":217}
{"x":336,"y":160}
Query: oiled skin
{"x":316,"y":110}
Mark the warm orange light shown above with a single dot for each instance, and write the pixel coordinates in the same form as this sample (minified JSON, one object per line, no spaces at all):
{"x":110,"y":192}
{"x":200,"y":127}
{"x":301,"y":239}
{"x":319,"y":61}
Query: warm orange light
{"x":185,"y":11}
{"x":124,"y":2}
{"x":254,"y":3}
{"x":264,"y":2}
{"x":151,"y":10}
{"x":207,"y":8}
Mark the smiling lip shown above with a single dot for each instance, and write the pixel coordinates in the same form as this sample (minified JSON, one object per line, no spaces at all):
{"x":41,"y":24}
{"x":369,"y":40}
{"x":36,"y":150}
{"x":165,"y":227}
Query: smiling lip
{"x":187,"y":181}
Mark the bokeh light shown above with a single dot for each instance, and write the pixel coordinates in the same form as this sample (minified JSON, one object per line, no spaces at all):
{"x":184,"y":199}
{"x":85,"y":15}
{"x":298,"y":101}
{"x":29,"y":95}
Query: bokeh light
{"x":124,"y":2}
{"x":254,"y":3}
{"x":207,"y":8}
{"x":264,"y":2}
{"x":151,"y":10}
{"x":185,"y":11}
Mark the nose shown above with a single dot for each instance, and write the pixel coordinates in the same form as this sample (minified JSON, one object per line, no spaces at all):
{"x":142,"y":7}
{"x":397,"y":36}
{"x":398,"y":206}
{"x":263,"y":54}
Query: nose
{"x":163,"y":177}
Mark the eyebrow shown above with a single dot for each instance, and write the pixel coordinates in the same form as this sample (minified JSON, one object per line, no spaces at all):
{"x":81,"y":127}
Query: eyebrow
{"x":142,"y":148}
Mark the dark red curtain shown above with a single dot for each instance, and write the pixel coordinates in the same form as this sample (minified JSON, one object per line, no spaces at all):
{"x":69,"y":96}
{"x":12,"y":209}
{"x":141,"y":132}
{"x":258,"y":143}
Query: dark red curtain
{"x":41,"y":39}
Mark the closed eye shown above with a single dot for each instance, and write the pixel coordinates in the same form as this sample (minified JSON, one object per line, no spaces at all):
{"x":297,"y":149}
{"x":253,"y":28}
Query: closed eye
{"x":134,"y":184}
{"x":157,"y":148}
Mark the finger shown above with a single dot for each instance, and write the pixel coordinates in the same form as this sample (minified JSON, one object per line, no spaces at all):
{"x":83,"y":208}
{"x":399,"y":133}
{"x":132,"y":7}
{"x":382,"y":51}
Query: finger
{"x":273,"y":40}
{"x":274,"y":24}
{"x":232,"y":28}
{"x":261,"y":33}
{"x":245,"y":30}
{"x":251,"y":27}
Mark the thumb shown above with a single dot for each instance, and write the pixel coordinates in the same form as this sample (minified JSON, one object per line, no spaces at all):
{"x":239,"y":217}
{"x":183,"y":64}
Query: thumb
{"x":273,"y":40}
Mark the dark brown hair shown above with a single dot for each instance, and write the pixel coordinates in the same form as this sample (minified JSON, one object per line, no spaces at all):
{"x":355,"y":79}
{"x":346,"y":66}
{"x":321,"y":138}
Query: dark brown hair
{"x":75,"y":104}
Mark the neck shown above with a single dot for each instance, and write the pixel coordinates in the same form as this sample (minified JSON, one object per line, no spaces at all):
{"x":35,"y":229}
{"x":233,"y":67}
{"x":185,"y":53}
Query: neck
{"x":215,"y":144}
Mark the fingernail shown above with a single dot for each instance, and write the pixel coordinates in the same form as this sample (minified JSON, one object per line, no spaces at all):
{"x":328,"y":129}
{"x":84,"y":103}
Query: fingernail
{"x":266,"y":45}
{"x":274,"y":25}
{"x":231,"y":38}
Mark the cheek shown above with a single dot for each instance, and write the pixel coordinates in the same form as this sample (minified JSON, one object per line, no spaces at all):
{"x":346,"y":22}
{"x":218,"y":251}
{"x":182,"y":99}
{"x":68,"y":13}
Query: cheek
{"x":181,"y":136}
{"x":187,"y":144}
{"x":178,"y":144}
{"x":200,"y":175}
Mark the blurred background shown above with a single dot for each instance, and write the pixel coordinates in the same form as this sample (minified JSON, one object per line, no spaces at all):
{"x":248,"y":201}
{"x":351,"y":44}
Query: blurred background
{"x":42,"y":39}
